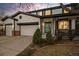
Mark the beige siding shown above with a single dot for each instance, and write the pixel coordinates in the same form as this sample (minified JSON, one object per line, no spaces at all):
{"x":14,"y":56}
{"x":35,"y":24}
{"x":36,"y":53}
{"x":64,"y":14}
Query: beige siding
{"x":7,"y":21}
{"x":26,"y":18}
{"x":9,"y":28}
{"x":16,"y":26}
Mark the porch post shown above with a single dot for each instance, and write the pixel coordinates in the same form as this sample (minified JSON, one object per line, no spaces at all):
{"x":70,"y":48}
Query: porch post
{"x":41,"y":27}
{"x":5,"y":30}
{"x":53,"y":23}
{"x":14,"y":29}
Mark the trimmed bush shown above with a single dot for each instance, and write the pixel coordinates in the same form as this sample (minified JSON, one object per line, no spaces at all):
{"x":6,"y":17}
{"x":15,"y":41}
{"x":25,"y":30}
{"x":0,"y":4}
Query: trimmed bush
{"x":49,"y":38}
{"x":37,"y":37}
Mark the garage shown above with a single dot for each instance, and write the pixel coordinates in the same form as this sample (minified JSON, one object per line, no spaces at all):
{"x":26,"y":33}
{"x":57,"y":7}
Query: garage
{"x":8,"y":30}
{"x":28,"y":29}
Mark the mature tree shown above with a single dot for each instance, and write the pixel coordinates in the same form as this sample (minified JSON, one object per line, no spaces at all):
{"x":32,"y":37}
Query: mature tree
{"x":75,"y":5}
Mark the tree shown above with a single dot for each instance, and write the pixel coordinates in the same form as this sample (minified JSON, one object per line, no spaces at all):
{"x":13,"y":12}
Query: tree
{"x":75,"y":5}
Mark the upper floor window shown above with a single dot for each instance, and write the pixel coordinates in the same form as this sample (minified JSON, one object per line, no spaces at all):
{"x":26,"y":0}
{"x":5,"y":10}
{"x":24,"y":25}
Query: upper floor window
{"x":39,"y":13}
{"x":34,"y":13}
{"x":57,"y":11}
{"x":48,"y":12}
{"x":67,"y":9}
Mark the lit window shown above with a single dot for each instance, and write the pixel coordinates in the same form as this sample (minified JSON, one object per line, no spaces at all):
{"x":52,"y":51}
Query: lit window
{"x":65,"y":11}
{"x":47,"y":12}
{"x":63,"y":25}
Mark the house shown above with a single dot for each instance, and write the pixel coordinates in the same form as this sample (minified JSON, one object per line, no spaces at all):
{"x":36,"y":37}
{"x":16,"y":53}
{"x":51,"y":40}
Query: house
{"x":21,"y":24}
{"x":55,"y":19}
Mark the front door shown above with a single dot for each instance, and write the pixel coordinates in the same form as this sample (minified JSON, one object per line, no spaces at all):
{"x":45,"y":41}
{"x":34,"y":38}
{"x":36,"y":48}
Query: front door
{"x":47,"y":27}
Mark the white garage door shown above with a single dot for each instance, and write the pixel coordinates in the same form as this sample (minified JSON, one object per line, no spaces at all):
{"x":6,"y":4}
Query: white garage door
{"x":28,"y":30}
{"x":9,"y":30}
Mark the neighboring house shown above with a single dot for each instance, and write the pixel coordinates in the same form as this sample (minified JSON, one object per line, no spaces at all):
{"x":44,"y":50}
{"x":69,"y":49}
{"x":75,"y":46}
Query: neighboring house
{"x":1,"y":27}
{"x":45,"y":19}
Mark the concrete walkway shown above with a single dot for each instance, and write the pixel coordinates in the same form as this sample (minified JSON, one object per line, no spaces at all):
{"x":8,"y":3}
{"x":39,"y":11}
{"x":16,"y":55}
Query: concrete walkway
{"x":10,"y":46}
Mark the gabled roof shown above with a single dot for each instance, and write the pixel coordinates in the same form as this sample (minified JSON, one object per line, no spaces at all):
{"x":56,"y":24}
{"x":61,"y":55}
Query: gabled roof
{"x":61,"y":15}
{"x":19,"y":12}
{"x":3,"y":19}
{"x":6,"y":17}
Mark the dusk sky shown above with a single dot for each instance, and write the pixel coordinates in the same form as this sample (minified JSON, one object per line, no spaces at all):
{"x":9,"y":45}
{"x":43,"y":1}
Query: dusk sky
{"x":11,"y":8}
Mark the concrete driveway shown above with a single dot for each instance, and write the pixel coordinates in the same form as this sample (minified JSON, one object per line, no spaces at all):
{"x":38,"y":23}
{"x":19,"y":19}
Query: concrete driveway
{"x":10,"y":46}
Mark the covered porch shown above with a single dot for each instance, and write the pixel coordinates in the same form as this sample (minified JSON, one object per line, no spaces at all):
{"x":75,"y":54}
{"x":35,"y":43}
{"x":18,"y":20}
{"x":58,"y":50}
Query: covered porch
{"x":63,"y":26}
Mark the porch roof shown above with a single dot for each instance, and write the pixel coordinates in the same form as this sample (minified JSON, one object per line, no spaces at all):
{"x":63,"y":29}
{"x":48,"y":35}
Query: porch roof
{"x":6,"y":17}
{"x":66,"y":15}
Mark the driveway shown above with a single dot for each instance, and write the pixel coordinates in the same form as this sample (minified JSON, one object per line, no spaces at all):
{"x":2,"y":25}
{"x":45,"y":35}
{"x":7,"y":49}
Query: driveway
{"x":10,"y":46}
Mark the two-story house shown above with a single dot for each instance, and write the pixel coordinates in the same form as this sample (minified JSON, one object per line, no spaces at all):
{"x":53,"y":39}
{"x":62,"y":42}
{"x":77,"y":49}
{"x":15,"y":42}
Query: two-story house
{"x":54,"y":19}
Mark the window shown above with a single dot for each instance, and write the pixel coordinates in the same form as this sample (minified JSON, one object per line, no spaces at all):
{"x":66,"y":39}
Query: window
{"x":48,"y":12}
{"x":20,"y":17}
{"x":57,"y":11}
{"x":39,"y":13}
{"x":63,"y":24}
{"x":67,"y":9}
{"x":34,"y":13}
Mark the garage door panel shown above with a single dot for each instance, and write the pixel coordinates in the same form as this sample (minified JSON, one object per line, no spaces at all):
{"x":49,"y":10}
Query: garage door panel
{"x":28,"y":30}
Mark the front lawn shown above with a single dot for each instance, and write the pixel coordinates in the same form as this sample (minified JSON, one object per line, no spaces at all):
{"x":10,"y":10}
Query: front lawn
{"x":29,"y":50}
{"x":60,"y":49}
{"x":69,"y":48}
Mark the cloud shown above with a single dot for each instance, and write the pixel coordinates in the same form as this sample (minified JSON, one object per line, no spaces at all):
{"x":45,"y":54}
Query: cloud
{"x":11,"y":8}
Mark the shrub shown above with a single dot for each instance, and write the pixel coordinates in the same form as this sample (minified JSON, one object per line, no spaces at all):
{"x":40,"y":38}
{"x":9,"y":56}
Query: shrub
{"x":49,"y":38}
{"x":37,"y":37}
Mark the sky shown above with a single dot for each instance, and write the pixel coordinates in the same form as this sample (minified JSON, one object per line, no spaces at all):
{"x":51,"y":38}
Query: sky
{"x":7,"y":9}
